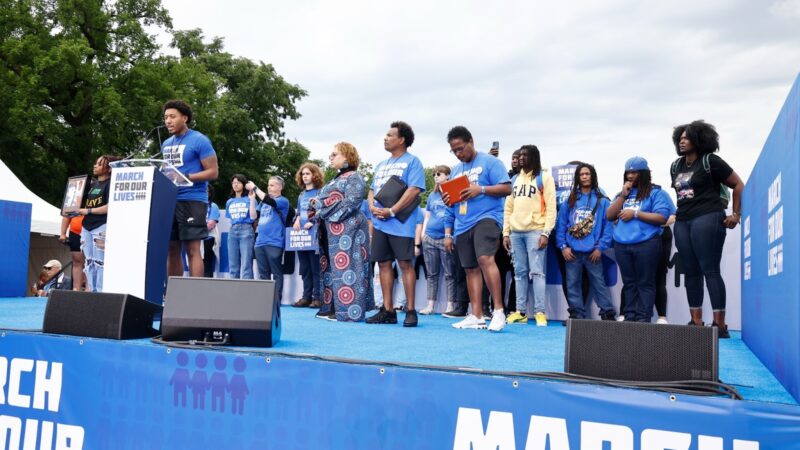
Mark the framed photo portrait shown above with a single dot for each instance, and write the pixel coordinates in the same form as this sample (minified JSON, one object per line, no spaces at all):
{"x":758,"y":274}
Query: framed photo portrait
{"x":74,"y":195}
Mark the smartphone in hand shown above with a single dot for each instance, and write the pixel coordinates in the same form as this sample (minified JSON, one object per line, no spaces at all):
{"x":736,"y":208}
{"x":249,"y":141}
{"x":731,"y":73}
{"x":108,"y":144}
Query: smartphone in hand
{"x":495,"y":150}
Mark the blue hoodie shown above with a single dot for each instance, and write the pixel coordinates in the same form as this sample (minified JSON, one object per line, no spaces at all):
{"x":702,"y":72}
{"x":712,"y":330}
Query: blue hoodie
{"x":635,"y":231}
{"x":602,"y":233}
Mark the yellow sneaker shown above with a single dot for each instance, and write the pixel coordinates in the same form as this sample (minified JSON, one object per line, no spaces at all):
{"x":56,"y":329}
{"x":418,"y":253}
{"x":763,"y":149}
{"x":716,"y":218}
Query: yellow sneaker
{"x":541,"y":319}
{"x":517,"y":317}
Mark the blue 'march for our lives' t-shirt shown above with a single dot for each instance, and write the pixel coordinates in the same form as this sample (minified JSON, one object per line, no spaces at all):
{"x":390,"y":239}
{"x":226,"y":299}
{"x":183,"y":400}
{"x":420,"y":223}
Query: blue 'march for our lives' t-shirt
{"x":484,"y":170}
{"x":409,"y":169}
{"x":185,"y":153}
{"x":271,"y":226}
{"x":635,"y":231}
{"x":238,"y":210}
{"x":441,"y":216}
{"x":303,"y":203}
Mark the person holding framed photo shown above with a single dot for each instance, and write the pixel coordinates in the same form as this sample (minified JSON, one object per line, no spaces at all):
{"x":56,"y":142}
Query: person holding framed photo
{"x":95,"y":212}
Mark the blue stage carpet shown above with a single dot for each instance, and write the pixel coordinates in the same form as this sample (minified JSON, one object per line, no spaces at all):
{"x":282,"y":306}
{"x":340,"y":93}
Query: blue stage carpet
{"x":523,"y":348}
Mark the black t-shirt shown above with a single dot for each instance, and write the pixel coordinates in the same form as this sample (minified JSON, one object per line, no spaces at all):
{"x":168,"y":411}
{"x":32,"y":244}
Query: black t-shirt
{"x":97,"y":197}
{"x":698,"y":190}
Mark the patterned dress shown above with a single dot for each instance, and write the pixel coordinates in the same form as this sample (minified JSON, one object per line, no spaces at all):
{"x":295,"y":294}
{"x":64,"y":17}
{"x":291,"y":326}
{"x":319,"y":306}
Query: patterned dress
{"x":344,"y":244}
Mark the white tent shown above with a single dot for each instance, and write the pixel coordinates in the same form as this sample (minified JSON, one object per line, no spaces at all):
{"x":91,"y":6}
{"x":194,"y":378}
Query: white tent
{"x":45,"y":218}
{"x":45,"y":224}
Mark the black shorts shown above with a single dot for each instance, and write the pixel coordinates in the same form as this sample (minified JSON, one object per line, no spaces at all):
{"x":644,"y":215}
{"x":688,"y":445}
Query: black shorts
{"x":480,"y":240}
{"x":74,"y":242}
{"x":386,"y":247}
{"x":189,"y":223}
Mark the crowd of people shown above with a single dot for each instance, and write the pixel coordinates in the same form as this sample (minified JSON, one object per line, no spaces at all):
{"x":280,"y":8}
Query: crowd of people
{"x":503,"y":220}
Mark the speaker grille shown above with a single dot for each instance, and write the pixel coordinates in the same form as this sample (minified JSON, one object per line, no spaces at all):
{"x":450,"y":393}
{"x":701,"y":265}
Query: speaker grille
{"x":245,"y":310}
{"x":641,"y":351}
{"x":97,"y":314}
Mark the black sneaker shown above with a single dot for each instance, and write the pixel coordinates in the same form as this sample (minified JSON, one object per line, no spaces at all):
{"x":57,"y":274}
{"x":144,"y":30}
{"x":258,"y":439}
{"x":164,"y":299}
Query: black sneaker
{"x":608,"y":316}
{"x":691,"y":322}
{"x":383,"y":316}
{"x":459,"y":310}
{"x":411,"y":319}
{"x":330,"y":315}
{"x":487,"y":313}
{"x":722,"y":333}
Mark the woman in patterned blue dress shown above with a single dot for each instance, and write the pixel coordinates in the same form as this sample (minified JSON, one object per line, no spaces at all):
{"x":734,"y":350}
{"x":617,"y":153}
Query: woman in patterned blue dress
{"x":344,"y":240}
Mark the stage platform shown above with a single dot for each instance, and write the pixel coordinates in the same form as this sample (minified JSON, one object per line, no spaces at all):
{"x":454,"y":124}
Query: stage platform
{"x":330,"y":379}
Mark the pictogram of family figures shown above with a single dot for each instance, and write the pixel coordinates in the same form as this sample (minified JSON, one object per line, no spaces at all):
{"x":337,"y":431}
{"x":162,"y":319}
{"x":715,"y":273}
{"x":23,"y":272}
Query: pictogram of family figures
{"x":200,"y":383}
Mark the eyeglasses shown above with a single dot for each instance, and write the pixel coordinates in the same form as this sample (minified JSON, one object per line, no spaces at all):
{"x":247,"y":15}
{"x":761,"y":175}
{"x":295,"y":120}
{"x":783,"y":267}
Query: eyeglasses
{"x":48,"y":268}
{"x":456,"y":151}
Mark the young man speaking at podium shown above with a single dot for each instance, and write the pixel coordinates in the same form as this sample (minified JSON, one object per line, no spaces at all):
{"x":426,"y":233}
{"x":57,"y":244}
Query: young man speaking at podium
{"x":190,"y":152}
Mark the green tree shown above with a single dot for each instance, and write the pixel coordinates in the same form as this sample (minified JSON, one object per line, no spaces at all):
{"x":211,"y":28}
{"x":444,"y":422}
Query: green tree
{"x":365,"y":169}
{"x":429,"y":185}
{"x":83,"y":78}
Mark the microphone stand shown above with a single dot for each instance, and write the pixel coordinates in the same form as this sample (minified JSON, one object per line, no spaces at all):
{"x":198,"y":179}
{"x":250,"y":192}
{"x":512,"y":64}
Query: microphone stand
{"x":144,"y":143}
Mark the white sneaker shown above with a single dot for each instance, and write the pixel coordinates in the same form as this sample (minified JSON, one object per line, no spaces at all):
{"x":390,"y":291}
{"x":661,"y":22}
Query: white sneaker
{"x":471,"y":322}
{"x":620,"y":318}
{"x":662,"y":321}
{"x":426,"y":311}
{"x":498,"y":320}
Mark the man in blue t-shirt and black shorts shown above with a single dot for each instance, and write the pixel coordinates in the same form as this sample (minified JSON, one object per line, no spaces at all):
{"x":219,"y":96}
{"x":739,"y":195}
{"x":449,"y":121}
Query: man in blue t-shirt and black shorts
{"x":478,"y":225}
{"x":190,"y":152}
{"x":391,"y":238}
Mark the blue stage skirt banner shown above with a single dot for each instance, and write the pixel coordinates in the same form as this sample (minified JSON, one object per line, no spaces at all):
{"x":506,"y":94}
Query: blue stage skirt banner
{"x":71,"y":393}
{"x":301,"y":240}
{"x":770,"y":248}
{"x":15,"y":227}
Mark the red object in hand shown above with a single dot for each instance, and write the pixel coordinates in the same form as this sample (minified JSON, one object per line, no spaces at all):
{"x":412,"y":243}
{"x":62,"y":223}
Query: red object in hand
{"x":454,"y":187}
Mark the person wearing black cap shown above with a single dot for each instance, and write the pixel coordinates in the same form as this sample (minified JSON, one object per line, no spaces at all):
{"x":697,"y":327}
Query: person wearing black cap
{"x":639,"y":210}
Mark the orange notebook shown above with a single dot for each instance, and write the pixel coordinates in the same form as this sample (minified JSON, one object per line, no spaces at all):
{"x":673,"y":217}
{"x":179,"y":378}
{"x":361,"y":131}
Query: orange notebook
{"x":454,"y":187}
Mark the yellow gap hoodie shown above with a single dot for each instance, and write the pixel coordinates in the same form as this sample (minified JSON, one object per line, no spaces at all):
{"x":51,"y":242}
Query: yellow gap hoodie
{"x":523,"y":209}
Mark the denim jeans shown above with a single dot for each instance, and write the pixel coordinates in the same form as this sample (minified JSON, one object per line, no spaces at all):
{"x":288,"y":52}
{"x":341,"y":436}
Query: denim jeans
{"x":699,"y":242}
{"x":436,"y":258}
{"x":93,"y":244}
{"x":638,"y":264}
{"x":529,"y":269}
{"x":270,"y":266}
{"x":597,"y":285}
{"x":309,"y":272}
{"x":240,"y":250}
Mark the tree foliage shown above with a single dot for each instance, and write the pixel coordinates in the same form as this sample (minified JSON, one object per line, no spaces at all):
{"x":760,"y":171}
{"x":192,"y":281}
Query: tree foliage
{"x":83,"y":78}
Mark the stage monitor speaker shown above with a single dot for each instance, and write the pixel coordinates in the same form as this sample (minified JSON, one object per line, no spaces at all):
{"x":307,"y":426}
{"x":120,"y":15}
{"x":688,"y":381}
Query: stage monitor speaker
{"x":641,"y":351}
{"x":99,"y":314}
{"x":237,"y":312}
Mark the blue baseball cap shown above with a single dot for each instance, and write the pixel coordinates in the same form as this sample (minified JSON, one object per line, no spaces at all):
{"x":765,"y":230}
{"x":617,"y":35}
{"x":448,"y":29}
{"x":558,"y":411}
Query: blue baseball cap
{"x":635,"y":164}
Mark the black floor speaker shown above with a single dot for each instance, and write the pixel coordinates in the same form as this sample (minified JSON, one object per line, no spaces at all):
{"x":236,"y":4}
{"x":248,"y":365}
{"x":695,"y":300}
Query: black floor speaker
{"x":237,"y":312}
{"x":641,"y":351}
{"x":99,"y":314}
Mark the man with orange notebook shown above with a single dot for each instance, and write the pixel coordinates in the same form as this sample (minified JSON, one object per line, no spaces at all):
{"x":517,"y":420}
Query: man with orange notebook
{"x":478,"y":225}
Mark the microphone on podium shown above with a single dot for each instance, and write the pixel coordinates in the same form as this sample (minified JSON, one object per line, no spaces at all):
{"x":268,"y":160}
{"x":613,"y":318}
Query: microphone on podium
{"x":144,"y":143}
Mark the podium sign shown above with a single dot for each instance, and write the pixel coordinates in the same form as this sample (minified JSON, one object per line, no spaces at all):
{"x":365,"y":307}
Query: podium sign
{"x":140,"y":212}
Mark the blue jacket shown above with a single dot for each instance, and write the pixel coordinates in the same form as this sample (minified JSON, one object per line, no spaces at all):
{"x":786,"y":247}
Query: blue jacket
{"x":602,"y":233}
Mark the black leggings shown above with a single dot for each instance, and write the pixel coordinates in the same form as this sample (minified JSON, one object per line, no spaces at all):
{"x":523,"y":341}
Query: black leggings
{"x":208,"y":258}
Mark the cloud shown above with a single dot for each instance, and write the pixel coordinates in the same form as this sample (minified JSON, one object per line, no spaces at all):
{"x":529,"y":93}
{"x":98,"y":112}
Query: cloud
{"x":593,"y":80}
